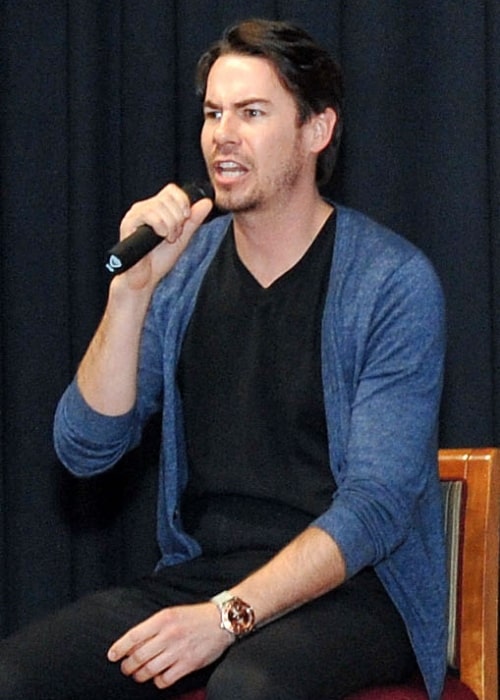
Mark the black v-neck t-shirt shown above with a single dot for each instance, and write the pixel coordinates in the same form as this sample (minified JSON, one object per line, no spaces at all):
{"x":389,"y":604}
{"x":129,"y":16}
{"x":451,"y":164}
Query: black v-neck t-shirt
{"x":250,"y":381}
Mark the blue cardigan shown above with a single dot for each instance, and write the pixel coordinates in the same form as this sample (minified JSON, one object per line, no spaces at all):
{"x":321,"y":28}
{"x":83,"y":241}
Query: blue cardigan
{"x":382,"y":360}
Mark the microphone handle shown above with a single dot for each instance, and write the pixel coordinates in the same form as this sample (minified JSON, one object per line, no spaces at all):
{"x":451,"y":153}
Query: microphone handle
{"x":130,"y":250}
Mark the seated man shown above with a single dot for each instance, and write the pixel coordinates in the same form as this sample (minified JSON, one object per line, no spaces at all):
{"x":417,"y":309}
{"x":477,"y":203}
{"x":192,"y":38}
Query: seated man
{"x":295,"y":349}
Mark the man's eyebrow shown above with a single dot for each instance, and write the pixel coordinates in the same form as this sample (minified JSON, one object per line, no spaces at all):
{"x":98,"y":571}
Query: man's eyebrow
{"x":241,"y":103}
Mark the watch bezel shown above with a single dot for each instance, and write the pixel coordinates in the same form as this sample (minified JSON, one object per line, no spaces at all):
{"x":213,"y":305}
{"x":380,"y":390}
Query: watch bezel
{"x":237,"y":617}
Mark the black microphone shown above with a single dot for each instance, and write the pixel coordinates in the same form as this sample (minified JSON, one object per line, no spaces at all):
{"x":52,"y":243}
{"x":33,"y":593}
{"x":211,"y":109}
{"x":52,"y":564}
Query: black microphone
{"x":129,"y":251}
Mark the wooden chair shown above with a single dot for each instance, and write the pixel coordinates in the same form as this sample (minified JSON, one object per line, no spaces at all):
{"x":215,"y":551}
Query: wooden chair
{"x":471,"y":489}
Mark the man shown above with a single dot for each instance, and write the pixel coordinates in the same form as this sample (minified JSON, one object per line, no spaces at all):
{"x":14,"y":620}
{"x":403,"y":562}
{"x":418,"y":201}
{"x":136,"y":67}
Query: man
{"x":295,"y":349}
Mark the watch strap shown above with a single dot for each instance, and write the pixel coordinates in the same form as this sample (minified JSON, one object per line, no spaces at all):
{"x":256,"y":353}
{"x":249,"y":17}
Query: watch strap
{"x":221,"y":598}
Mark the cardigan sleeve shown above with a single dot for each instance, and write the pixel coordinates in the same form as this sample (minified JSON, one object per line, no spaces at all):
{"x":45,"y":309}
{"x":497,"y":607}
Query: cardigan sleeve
{"x":88,"y":442}
{"x":383,"y":367}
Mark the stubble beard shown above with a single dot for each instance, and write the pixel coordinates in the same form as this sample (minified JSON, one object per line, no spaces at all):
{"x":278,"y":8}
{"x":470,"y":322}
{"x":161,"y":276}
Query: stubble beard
{"x":278,"y":185}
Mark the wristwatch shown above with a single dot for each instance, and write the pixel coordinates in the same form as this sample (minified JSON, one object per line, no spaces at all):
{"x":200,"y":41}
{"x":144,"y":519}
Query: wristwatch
{"x":236,"y":616}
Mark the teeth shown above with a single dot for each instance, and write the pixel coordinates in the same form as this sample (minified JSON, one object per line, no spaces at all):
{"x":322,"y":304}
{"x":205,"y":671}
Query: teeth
{"x":230,"y":166}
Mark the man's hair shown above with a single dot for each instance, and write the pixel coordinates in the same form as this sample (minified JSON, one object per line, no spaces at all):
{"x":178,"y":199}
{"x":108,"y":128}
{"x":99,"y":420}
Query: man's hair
{"x":304,"y":68}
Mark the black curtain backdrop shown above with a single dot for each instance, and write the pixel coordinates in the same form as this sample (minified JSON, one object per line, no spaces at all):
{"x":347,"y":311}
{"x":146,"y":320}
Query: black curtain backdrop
{"x":98,"y":110}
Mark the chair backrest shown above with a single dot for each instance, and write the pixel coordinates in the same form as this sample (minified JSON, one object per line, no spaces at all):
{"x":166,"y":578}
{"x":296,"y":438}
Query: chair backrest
{"x":473,"y":522}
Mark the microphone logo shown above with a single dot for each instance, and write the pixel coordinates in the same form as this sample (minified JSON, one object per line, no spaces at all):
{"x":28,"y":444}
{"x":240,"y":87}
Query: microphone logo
{"x":113,"y":263}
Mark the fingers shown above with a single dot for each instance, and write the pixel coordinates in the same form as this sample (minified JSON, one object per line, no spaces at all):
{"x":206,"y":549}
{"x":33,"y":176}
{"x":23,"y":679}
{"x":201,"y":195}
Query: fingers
{"x":140,"y":657}
{"x":149,"y":648}
{"x":133,"y":641}
{"x":170,"y":644}
{"x":147,"y":664}
{"x":171,"y":675}
{"x":166,"y":212}
{"x":172,"y":217}
{"x":200,"y":210}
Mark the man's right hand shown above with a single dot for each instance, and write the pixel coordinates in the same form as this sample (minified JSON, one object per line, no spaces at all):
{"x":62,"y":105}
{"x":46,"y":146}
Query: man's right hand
{"x":171,"y":216}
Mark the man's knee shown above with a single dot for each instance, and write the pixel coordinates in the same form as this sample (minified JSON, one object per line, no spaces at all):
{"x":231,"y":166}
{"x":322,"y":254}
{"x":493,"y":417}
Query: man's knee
{"x":247,"y":681}
{"x":15,"y":682}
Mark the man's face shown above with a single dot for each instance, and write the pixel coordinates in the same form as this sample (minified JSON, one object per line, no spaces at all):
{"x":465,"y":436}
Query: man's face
{"x":251,"y":139}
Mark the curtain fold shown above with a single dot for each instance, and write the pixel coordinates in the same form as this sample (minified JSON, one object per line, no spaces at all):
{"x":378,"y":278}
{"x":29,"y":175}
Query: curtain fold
{"x":97,"y":110}
{"x":492,"y":31}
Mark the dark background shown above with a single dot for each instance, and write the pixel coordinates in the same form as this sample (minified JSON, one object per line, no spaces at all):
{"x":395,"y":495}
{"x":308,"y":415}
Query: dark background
{"x":97,"y":110}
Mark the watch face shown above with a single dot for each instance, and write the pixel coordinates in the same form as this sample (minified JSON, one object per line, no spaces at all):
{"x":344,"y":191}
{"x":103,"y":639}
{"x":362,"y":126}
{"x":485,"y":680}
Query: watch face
{"x":238,"y":617}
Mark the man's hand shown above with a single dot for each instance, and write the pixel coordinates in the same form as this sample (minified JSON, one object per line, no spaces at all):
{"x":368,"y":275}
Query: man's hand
{"x":171,"y":216}
{"x":172,"y":643}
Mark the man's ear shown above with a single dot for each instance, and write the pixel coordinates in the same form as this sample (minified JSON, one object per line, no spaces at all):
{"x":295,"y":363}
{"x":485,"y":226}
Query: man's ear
{"x":322,"y":127}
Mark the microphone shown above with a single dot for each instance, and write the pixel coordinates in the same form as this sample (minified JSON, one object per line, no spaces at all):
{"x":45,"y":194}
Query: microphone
{"x":131,"y":249}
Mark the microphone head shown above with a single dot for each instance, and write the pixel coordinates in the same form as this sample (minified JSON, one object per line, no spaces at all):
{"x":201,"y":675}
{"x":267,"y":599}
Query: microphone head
{"x":198,"y":190}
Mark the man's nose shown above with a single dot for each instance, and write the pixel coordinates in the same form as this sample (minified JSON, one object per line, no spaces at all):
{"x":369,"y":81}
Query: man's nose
{"x":226,"y":130}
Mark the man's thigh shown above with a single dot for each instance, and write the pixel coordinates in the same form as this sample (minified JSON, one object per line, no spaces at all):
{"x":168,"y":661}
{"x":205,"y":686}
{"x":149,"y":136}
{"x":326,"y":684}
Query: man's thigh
{"x":63,"y":656}
{"x":342,"y":641}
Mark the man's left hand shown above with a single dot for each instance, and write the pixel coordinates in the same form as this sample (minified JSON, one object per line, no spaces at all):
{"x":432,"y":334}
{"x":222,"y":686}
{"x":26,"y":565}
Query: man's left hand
{"x":171,"y":643}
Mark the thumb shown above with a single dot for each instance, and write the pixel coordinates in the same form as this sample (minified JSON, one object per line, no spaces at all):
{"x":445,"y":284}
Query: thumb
{"x":200,"y":210}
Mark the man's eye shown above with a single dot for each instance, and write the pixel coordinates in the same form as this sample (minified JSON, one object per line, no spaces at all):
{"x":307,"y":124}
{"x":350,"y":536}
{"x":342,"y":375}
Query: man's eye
{"x":213,"y":114}
{"x":253,"y":112}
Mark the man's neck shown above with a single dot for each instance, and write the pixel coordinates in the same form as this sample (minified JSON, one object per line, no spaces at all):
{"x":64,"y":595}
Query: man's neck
{"x":269,"y":243}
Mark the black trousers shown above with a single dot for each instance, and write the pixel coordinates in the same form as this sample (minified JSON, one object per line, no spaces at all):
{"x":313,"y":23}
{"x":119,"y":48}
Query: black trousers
{"x":347,"y":639}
